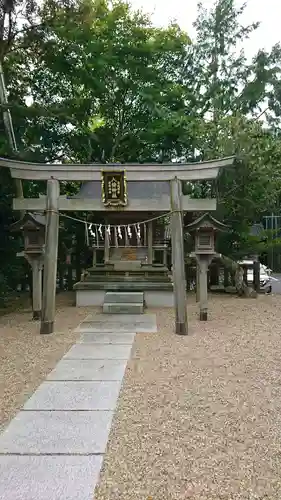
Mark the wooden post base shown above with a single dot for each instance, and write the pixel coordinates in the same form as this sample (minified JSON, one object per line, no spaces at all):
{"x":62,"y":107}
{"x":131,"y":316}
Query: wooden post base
{"x":203,"y":316}
{"x":47,"y":327}
{"x":181,"y":328}
{"x":36,"y":315}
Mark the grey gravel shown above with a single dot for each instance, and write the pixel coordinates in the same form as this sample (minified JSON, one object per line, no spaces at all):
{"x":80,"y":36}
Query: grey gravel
{"x":199,"y":416}
{"x":26,"y":357}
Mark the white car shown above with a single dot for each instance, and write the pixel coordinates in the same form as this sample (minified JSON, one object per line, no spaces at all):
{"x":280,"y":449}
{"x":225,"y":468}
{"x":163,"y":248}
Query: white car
{"x":265,"y":278}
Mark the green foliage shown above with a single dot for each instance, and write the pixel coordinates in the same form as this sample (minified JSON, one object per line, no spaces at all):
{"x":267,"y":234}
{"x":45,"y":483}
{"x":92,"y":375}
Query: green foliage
{"x":103,"y":60}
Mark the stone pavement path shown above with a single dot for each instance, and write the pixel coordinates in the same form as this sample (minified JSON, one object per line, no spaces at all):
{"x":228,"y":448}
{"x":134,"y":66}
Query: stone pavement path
{"x":54,"y":448}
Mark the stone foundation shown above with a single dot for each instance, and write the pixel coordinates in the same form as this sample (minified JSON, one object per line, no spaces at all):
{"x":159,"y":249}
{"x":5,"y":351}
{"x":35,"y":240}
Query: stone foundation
{"x":152,"y":298}
{"x":126,"y":277}
{"x":86,"y":298}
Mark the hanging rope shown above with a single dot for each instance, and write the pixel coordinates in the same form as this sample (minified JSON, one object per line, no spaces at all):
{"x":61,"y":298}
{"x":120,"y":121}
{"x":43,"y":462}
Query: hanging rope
{"x":122,"y":232}
{"x":105,"y":226}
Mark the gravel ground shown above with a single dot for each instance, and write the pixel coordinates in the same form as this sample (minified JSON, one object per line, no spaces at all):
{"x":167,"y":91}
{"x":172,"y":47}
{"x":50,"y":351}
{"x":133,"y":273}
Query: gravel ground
{"x":26,"y":357}
{"x":199,"y":416}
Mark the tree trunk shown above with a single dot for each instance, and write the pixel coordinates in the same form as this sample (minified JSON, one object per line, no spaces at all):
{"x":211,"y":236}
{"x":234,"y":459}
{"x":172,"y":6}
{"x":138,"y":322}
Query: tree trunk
{"x":30,"y":284}
{"x":226,"y":277}
{"x":69,"y":278}
{"x":78,"y":265}
{"x":61,"y":276}
{"x":214,"y":275}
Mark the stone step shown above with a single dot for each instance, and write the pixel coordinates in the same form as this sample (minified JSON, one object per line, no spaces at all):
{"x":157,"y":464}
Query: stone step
{"x":123,"y":308}
{"x":127,"y":286}
{"x":126,"y":278}
{"x":123,"y":298}
{"x":127,"y":265}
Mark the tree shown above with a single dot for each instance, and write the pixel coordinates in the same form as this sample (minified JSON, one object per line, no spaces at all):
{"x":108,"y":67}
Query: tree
{"x":227,"y":95}
{"x":105,"y":83}
{"x":224,"y":82}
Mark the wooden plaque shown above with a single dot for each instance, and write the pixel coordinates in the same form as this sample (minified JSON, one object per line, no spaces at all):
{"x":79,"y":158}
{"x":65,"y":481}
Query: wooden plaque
{"x":114,"y":188}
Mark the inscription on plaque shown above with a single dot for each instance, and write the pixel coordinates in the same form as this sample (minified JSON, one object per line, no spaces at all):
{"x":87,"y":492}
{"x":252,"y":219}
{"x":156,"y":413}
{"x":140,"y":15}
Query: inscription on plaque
{"x":114,"y":188}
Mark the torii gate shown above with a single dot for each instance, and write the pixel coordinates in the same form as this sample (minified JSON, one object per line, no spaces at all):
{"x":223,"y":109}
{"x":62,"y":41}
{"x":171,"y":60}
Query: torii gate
{"x":168,"y":174}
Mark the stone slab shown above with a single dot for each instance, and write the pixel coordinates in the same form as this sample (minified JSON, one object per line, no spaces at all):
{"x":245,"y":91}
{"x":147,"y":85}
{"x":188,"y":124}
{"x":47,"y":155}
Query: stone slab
{"x":89,"y":369}
{"x":49,"y":478}
{"x":126,"y":265}
{"x":98,"y":351}
{"x":159,"y":298}
{"x":140,"y":323}
{"x":86,"y":298}
{"x":104,"y":332}
{"x":107,"y":338}
{"x":56,"y":432}
{"x":124,"y":308}
{"x":75,"y":396}
{"x":123,"y":297}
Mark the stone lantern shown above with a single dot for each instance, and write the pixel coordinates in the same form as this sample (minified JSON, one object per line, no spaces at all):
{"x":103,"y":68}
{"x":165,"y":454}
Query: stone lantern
{"x":33,"y":228}
{"x":203,"y":231}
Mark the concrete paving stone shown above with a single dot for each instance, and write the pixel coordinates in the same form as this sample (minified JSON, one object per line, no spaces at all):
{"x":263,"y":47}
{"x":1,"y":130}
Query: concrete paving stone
{"x":49,"y":477}
{"x":114,"y":332}
{"x":121,"y":297}
{"x":56,"y":432}
{"x":89,"y":369}
{"x":98,"y":351}
{"x":75,"y":396}
{"x":124,"y":308}
{"x":140,"y":323}
{"x":107,"y":338}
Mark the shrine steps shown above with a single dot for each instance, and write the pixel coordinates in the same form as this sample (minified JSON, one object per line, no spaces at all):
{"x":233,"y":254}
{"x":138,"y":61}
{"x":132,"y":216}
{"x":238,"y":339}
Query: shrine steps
{"x":125,"y":287}
{"x":123,"y":303}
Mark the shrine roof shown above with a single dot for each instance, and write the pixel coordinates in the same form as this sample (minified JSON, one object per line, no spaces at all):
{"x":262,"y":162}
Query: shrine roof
{"x":206,"y":220}
{"x":38,"y":220}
